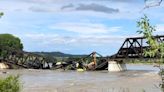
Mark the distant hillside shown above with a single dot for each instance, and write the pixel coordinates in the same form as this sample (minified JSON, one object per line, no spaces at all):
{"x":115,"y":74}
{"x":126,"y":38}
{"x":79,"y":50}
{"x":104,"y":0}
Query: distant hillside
{"x":58,"y":54}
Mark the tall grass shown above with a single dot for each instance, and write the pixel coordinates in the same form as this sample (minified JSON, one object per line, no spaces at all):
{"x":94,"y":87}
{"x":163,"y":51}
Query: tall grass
{"x":10,"y":84}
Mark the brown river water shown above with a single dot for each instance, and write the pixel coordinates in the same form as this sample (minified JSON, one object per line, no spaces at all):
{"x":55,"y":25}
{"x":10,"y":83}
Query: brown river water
{"x":136,"y":79}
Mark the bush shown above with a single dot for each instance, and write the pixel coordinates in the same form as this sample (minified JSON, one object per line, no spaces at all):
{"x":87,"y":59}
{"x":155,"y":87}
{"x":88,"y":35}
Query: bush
{"x":10,"y":84}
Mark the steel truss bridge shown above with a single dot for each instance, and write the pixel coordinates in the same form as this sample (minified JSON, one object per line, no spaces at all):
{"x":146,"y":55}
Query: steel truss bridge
{"x":22,"y":59}
{"x":132,"y":48}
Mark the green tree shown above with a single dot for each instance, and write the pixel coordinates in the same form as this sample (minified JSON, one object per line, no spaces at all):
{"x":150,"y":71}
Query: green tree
{"x":11,"y":83}
{"x":1,"y":14}
{"x":155,"y":48}
{"x":147,"y":30}
{"x":8,"y":40}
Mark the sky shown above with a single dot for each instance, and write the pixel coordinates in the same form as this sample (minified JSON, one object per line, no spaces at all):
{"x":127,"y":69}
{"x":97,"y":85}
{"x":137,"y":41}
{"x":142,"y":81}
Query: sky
{"x":76,"y":26}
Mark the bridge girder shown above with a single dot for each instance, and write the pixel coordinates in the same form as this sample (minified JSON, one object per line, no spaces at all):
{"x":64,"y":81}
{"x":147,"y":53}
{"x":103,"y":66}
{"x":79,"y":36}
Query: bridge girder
{"x":134,"y":47}
{"x":24,"y":59}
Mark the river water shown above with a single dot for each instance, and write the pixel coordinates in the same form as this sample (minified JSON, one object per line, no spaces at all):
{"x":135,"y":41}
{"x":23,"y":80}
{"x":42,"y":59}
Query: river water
{"x":136,"y":79}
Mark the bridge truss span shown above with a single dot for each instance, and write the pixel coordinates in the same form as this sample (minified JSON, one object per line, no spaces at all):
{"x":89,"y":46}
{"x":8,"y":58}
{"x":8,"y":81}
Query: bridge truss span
{"x":134,"y":47}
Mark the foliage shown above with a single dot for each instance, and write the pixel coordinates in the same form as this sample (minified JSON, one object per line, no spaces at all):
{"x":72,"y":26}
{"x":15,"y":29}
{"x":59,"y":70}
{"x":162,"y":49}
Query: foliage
{"x":10,"y":84}
{"x":8,"y":40}
{"x":76,"y":59}
{"x":59,"y":54}
{"x":147,"y":30}
{"x":50,"y":59}
{"x":156,"y":48}
{"x":1,"y":14}
{"x":138,"y":61}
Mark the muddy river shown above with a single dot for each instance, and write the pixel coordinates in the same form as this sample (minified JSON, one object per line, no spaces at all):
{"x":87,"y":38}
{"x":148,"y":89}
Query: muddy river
{"x":136,"y":79}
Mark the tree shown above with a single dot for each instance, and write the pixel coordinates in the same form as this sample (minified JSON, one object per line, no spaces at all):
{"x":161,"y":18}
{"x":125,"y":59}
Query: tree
{"x":8,"y":40}
{"x":11,"y":83}
{"x":1,"y":14}
{"x":155,"y":48}
{"x":147,"y":30}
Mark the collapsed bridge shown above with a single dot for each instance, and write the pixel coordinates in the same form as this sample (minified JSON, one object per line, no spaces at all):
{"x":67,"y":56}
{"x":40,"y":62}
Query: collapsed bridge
{"x":132,"y":48}
{"x":22,"y":59}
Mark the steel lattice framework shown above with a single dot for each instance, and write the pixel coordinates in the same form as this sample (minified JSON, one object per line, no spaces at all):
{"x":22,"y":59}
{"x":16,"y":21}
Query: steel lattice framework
{"x":24,"y":59}
{"x":134,"y":47}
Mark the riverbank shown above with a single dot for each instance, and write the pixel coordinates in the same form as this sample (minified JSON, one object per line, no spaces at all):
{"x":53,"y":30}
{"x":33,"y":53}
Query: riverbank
{"x":136,"y":79}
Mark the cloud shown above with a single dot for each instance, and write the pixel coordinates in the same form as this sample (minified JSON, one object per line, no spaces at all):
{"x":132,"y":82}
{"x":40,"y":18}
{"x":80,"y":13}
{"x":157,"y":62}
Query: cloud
{"x":46,"y":39}
{"x":36,"y":9}
{"x":92,"y":7}
{"x":91,"y":40}
{"x":45,"y":9}
{"x":62,"y":1}
{"x":40,"y":1}
{"x":81,"y":7}
{"x":67,"y":6}
{"x":97,"y":8}
{"x":123,"y":1}
{"x":72,"y":44}
{"x":85,"y":28}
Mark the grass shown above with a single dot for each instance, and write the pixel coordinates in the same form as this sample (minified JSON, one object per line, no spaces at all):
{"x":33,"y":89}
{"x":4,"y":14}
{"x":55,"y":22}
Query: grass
{"x":153,"y":61}
{"x":10,"y":84}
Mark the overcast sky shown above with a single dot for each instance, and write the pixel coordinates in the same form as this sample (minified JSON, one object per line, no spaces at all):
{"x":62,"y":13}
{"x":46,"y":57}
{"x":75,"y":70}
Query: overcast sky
{"x":76,"y":26}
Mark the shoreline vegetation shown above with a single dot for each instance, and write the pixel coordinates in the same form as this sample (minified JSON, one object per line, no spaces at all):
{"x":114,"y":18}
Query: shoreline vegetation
{"x":143,"y":62}
{"x":10,"y":84}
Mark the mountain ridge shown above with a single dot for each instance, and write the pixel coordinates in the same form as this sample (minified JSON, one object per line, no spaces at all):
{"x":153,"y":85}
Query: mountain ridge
{"x":59,"y":54}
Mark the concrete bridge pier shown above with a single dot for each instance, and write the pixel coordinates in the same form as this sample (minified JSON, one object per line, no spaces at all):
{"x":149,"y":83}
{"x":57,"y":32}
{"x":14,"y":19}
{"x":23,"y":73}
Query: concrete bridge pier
{"x":114,"y":66}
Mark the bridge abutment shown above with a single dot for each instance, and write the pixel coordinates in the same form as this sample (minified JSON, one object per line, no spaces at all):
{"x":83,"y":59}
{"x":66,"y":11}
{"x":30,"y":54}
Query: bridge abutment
{"x":114,"y":66}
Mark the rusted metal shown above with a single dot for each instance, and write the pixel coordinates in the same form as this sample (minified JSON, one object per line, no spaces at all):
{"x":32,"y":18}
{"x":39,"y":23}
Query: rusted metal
{"x":97,"y":61}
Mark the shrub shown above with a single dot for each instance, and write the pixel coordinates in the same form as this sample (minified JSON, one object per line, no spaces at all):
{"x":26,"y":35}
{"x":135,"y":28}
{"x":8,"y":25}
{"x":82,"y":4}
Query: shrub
{"x":10,"y":84}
